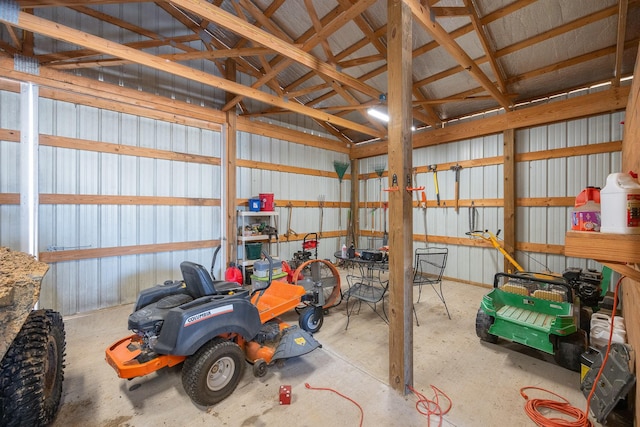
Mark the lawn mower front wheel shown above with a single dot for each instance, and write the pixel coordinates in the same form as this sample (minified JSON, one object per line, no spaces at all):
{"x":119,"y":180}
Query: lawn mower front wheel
{"x":311,"y":319}
{"x":213,"y":372}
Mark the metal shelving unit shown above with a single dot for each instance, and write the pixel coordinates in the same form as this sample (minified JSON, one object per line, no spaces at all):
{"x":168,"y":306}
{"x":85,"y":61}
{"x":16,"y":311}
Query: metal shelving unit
{"x":249,"y":218}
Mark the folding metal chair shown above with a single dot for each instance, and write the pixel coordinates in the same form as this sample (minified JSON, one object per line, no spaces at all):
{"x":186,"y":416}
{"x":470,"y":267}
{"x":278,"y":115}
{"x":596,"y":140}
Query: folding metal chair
{"x":428,"y":269}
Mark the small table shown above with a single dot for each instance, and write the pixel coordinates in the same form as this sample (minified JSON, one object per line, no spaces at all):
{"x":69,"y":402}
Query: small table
{"x":369,"y":286}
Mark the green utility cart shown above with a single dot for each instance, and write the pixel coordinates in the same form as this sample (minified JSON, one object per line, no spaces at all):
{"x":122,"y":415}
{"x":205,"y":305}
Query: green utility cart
{"x":537,"y":310}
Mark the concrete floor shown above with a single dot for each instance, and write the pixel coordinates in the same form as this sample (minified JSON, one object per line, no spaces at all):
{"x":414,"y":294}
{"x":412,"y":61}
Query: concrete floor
{"x":483,"y":380}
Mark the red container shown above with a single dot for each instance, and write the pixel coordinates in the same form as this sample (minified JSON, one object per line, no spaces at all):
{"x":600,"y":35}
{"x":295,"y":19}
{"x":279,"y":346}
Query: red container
{"x":589,"y":193}
{"x":233,"y":274}
{"x":266,"y":202}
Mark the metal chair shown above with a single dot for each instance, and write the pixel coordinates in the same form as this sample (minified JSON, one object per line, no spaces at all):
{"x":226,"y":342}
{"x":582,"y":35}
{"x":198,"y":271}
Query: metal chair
{"x":428,"y":269}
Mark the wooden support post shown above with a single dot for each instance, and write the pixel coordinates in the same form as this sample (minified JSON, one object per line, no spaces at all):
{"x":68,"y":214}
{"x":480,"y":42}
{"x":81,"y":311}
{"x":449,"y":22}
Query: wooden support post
{"x":509,"y":171}
{"x":229,"y":169}
{"x":631,"y":162}
{"x":399,"y":62}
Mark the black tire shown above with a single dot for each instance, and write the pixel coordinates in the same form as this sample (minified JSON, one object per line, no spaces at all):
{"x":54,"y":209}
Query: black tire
{"x":568,"y":350}
{"x":213,"y":372}
{"x":483,"y":323}
{"x":311,"y":319}
{"x":259,"y":368}
{"x":32,"y":372}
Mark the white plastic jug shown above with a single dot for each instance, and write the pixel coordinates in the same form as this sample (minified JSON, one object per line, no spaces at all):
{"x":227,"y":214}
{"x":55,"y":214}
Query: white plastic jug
{"x":620,"y":205}
{"x":601,"y":327}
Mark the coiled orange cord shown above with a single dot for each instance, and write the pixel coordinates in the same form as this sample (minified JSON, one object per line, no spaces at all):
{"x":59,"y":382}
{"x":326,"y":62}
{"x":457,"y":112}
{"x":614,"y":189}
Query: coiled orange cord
{"x":532,"y":409}
{"x":429,"y":407}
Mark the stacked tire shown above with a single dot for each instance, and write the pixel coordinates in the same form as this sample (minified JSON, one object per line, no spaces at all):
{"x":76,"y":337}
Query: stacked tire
{"x":32,"y":372}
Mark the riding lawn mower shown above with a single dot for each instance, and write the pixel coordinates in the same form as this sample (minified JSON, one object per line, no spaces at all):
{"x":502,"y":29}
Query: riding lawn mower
{"x":212,"y":327}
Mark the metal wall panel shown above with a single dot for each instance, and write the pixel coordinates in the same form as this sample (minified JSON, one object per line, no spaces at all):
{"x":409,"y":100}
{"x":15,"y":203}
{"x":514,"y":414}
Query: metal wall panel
{"x":83,"y":285}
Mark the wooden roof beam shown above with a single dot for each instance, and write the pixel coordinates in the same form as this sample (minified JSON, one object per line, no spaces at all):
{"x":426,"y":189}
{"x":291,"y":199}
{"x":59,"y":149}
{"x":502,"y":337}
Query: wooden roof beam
{"x":317,"y":25}
{"x":488,"y":49}
{"x":57,"y":31}
{"x":68,"y":3}
{"x":87,"y":53}
{"x":280,"y":63}
{"x":622,"y":28}
{"x":246,"y":30}
{"x":554,"y":32}
{"x":571,"y":62}
{"x":449,"y":44}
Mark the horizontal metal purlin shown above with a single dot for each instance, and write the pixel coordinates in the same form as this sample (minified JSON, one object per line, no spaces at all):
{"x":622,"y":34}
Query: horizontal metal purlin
{"x":26,"y":64}
{"x":9,"y":11}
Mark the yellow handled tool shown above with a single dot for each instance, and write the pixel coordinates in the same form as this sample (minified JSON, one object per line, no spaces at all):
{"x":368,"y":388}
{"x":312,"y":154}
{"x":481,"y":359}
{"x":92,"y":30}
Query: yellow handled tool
{"x":433,"y":168}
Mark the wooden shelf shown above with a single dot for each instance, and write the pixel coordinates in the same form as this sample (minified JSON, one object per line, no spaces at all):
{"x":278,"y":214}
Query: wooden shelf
{"x":613,"y":250}
{"x":622,"y":248}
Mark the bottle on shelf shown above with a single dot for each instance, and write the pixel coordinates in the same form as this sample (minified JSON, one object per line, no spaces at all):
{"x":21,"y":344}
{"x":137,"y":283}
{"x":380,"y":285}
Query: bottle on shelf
{"x":621,"y":204}
{"x":586,"y":213}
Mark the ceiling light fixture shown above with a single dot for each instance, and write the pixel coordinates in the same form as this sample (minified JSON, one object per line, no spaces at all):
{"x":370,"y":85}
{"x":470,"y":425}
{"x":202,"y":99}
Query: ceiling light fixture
{"x":384,"y":117}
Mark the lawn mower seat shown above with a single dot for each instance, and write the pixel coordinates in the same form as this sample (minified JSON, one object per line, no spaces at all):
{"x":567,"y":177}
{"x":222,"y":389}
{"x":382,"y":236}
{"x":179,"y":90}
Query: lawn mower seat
{"x":197,"y":279}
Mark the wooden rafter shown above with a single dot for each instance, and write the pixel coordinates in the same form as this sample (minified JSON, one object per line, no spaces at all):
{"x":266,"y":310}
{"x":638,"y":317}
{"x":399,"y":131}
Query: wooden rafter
{"x":311,"y":42}
{"x":38,"y":25}
{"x":449,"y":44}
{"x":488,"y":50}
{"x":562,"y":29}
{"x":622,"y":27}
{"x":265,"y":49}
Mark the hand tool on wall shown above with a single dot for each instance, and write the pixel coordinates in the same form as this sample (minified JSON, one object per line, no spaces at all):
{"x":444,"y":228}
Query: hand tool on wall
{"x":290,"y":231}
{"x":423,"y":205}
{"x":415,"y":184}
{"x":385,"y":236}
{"x":366,"y":205}
{"x":456,"y":169}
{"x":433,"y":168}
{"x":379,"y":170}
{"x":321,"y":206}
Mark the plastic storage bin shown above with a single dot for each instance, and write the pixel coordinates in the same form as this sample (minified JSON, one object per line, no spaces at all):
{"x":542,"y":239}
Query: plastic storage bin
{"x":266,"y":202}
{"x":261,"y":268}
{"x":253,"y":250}
{"x":254,"y":205}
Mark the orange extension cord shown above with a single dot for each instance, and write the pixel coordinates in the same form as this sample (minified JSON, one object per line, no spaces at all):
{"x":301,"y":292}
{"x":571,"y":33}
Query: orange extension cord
{"x":431,"y":407}
{"x":341,"y":395}
{"x":581,"y":419}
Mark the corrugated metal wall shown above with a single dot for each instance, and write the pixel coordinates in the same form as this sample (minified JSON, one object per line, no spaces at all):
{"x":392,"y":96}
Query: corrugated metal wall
{"x":564,"y":177}
{"x":9,"y":170}
{"x":77,"y":286}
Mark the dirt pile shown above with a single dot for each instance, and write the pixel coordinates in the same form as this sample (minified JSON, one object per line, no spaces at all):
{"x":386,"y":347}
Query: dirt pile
{"x":20,"y":278}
